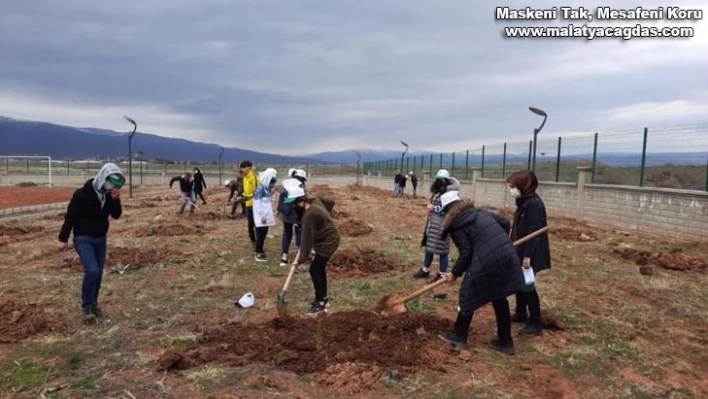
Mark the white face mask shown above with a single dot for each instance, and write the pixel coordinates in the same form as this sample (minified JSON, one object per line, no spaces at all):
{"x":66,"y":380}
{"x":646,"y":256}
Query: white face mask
{"x":514,"y":192}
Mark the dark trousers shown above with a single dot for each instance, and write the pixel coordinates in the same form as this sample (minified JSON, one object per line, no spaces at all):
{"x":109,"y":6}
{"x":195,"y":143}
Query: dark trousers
{"x":251,"y":224}
{"x":199,"y":194}
{"x":318,"y":273}
{"x":501,"y":313}
{"x":261,"y":234}
{"x":92,"y":253}
{"x":530,"y":301}
{"x":288,"y":236}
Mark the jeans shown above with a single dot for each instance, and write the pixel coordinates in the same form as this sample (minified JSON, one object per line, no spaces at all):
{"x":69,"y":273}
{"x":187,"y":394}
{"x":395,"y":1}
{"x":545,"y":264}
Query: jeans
{"x":92,"y":252}
{"x":501,"y":313}
{"x":288,"y":236}
{"x":318,"y":273}
{"x":187,"y":197}
{"x":444,"y":259}
{"x":251,"y":224}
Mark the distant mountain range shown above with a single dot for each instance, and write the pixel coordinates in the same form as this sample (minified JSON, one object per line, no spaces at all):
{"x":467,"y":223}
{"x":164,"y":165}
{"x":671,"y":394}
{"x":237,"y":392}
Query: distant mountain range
{"x":19,"y":137}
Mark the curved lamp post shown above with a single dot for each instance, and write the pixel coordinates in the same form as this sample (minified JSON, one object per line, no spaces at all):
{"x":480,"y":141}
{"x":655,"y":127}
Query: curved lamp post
{"x":404,"y":153}
{"x":542,"y":113}
{"x":130,"y":153}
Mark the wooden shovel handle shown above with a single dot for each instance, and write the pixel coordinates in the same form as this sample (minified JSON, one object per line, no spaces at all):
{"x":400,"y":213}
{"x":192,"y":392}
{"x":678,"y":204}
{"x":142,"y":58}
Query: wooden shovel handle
{"x":420,"y":292}
{"x":531,"y":236}
{"x":290,"y":274}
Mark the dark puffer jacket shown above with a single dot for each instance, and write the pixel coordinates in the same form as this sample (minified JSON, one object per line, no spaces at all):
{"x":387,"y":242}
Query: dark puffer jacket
{"x":531,"y":216}
{"x":85,"y":216}
{"x":488,"y":259}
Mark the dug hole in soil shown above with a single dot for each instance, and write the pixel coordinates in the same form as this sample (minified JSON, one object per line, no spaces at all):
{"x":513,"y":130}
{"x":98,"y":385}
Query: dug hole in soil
{"x":19,"y":321}
{"x":675,"y":259}
{"x":349,"y":351}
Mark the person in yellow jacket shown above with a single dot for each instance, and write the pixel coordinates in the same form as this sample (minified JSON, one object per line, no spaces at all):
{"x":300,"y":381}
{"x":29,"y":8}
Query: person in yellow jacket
{"x":250,"y":183}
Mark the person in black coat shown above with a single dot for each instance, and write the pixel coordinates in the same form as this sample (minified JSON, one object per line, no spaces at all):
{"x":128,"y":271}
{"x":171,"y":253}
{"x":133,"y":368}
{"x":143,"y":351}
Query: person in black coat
{"x":530,"y":215}
{"x":414,"y":182}
{"x":87,"y":215}
{"x":488,"y":260}
{"x":199,"y":185}
{"x":186,"y":187}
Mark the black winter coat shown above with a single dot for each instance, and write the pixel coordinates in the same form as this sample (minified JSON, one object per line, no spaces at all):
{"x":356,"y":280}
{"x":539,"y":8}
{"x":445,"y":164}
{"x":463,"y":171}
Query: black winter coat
{"x":86,"y":217}
{"x":487,"y":257}
{"x":199,"y":183}
{"x":184,"y":185}
{"x":531,"y":216}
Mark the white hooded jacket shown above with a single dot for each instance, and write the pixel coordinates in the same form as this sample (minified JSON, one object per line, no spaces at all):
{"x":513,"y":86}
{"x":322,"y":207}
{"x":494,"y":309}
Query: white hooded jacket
{"x":263,"y":198}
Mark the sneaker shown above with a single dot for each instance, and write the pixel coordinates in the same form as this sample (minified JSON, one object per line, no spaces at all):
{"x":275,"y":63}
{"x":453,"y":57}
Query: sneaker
{"x":519,"y":318}
{"x":506,"y":348}
{"x":530,"y":329}
{"x":437,"y":277}
{"x":89,"y":315}
{"x":422,"y":274}
{"x":316,"y":307}
{"x":326,"y":303}
{"x":284,"y":262}
{"x":261,"y":258}
{"x":454,"y":340}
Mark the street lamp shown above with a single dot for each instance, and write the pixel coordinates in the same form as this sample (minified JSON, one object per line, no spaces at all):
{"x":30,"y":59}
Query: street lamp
{"x":220,"y":154}
{"x":542,"y":113}
{"x":130,"y":153}
{"x":404,"y":154}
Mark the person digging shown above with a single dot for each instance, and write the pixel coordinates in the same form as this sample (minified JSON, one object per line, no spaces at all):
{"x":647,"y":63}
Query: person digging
{"x":319,"y":233}
{"x":490,"y":266}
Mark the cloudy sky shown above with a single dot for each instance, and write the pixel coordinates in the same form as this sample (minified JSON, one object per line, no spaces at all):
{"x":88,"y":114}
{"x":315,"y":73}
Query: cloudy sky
{"x":300,"y":76}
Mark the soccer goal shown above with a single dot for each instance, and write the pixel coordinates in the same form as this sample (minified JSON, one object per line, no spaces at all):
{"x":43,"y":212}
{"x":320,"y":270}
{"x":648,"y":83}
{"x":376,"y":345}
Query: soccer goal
{"x":25,"y":170}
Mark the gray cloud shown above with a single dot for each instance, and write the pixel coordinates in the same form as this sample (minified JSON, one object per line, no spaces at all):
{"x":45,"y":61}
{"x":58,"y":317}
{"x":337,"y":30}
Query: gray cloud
{"x":333,"y":75}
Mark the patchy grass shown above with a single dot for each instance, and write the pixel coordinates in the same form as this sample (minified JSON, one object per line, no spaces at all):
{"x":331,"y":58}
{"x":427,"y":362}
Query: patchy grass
{"x":626,"y":334}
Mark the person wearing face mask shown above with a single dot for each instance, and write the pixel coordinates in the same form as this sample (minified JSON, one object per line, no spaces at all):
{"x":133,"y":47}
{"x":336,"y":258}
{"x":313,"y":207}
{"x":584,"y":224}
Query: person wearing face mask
{"x":199,"y":185}
{"x":263,"y":216}
{"x":87,"y":216}
{"x":530,"y":215}
{"x":289,"y":215}
{"x":432,"y":241}
{"x":319,"y":233}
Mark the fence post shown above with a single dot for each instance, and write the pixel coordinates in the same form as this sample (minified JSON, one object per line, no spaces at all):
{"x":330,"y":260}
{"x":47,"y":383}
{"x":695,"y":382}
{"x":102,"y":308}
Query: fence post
{"x":67,"y":166}
{"x":467,"y":163}
{"x":482,"y":171}
{"x":431,"y":165}
{"x":453,"y":164}
{"x":558,"y":161}
{"x":594,"y":160}
{"x":504,"y":163}
{"x":528,"y":165}
{"x":408,"y":164}
{"x":441,"y":157}
{"x":644,"y":157}
{"x":706,"y":174}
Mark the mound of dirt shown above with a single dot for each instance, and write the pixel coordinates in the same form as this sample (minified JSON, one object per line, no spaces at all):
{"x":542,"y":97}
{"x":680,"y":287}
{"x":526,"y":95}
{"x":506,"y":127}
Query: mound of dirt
{"x":18,"y":321}
{"x":167,"y":230}
{"x":138,"y":258}
{"x":10,"y":233}
{"x":571,"y":234}
{"x":209,"y":215}
{"x":359,"y":262}
{"x":339,"y":214}
{"x":354,"y":228}
{"x":675,"y":259}
{"x":358,"y":345}
{"x":321,"y":190}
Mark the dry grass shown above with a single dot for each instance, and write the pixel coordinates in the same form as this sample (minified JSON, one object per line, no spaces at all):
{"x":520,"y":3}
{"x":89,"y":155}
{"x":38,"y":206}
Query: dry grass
{"x":627,"y":335}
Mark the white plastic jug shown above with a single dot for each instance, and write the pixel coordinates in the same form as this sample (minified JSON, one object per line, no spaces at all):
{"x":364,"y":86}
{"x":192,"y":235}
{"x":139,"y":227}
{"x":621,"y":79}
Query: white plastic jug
{"x":247,"y":300}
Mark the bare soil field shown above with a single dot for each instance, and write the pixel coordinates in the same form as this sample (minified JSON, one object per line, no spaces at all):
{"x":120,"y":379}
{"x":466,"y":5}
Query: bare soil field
{"x":624,"y":316}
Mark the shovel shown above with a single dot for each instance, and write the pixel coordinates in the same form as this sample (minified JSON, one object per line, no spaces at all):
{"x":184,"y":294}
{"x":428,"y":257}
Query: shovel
{"x":282,"y":304}
{"x":390,"y":305}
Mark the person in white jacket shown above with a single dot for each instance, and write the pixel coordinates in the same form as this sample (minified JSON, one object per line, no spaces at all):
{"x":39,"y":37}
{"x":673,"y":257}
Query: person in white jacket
{"x":263,"y":215}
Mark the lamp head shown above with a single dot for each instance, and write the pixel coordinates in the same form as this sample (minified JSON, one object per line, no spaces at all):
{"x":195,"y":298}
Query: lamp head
{"x":135,"y":125}
{"x":538,"y":111}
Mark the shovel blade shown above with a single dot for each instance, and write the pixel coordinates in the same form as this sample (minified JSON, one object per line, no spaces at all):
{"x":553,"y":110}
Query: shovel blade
{"x":282,"y":303}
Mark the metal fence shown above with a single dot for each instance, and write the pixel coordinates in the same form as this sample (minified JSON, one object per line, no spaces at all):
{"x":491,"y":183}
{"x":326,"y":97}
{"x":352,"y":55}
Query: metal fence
{"x":674,"y":157}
